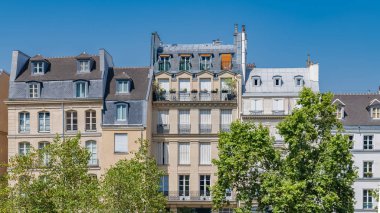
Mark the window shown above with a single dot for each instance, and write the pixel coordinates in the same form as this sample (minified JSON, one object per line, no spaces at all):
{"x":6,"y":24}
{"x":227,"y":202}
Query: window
{"x":299,"y":81}
{"x":34,"y":90}
{"x":367,"y":199}
{"x":204,"y":186}
{"x":162,"y":153}
{"x":351,"y":139}
{"x":205,"y":62}
{"x":163,"y":126}
{"x":225,"y":119}
{"x":256,"y":81}
{"x":80,"y":90}
{"x":23,"y":148}
{"x":205,"y":153}
{"x":339,"y":112}
{"x":164,"y":185}
{"x":91,"y":147}
{"x":164,"y":64}
{"x":45,"y":156}
{"x":367,"y":169}
{"x":226,"y":61}
{"x":375,"y":112}
{"x":205,"y":121}
{"x":277,"y":81}
{"x":24,"y":123}
{"x":184,"y":63}
{"x":183,"y":186}
{"x":278,"y":106}
{"x":121,"y":143}
{"x":122,"y":86}
{"x":257,"y":106}
{"x":164,"y":84}
{"x":296,"y":104}
{"x":367,"y":142}
{"x":204,"y":85}
{"x":44,"y":122}
{"x":91,"y":120}
{"x":71,"y":121}
{"x":38,"y":67}
{"x":84,"y":66}
{"x":184,"y":153}
{"x":184,"y":121}
{"x":121,"y":112}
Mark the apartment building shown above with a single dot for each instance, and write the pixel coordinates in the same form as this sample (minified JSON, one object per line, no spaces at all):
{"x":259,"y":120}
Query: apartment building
{"x":197,"y":94}
{"x":360,"y":115}
{"x":4,"y":85}
{"x":270,"y":94}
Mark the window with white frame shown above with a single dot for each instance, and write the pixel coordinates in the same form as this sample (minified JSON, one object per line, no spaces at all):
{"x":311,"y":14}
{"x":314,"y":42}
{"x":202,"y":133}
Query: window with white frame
{"x":277,"y":81}
{"x":38,"y":67}
{"x":71,"y":121}
{"x":367,"y":199}
{"x":204,"y":185}
{"x":163,"y":116}
{"x":44,"y":122}
{"x":164,"y":84}
{"x":299,"y":81}
{"x":184,"y":186}
{"x":80,"y":90}
{"x":164,"y":63}
{"x":256,"y":81}
{"x":225,"y":119}
{"x":84,"y":66}
{"x":121,"y":143}
{"x":91,"y":147}
{"x":184,"y":153}
{"x":375,"y":112}
{"x":367,"y":142}
{"x":205,"y":120}
{"x":278,"y":105}
{"x":45,"y":155}
{"x":162,"y":153}
{"x":34,"y":90}
{"x":205,"y":153}
{"x":164,"y":185}
{"x":24,"y":122}
{"x":184,"y":63}
{"x":339,"y":112}
{"x":90,"y":120}
{"x":205,"y":62}
{"x":184,"y":121}
{"x":121,"y":112}
{"x":205,"y":85}
{"x":122,"y":86}
{"x":23,"y":148}
{"x":184,"y":85}
{"x":367,"y":169}
{"x":257,"y":105}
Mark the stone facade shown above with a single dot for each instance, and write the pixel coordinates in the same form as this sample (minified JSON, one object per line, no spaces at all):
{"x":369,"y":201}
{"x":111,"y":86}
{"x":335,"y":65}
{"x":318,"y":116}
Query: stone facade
{"x":4,"y":85}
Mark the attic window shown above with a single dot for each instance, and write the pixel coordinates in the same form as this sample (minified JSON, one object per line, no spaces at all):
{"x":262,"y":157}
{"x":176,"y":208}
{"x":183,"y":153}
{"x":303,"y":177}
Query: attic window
{"x":38,"y":67}
{"x":122,"y":86}
{"x":84,"y":66}
{"x":256,"y":81}
{"x":375,"y":112}
{"x":277,"y":81}
{"x":298,"y":81}
{"x":339,"y":112}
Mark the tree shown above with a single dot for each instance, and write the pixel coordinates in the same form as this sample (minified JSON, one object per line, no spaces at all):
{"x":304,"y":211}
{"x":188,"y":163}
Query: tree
{"x":316,"y":172}
{"x":245,"y":154}
{"x":133,"y":185}
{"x":53,"y":179}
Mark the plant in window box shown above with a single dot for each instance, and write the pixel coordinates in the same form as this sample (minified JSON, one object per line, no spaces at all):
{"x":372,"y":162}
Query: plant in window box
{"x":204,"y":91}
{"x":194,"y":91}
{"x":368,"y":174}
{"x":172,"y":91}
{"x":224,"y":90}
{"x":184,"y":90}
{"x":214,"y":91}
{"x":162,"y":91}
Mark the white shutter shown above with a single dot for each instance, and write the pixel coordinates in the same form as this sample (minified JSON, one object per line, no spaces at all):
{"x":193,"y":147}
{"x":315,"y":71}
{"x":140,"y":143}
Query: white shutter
{"x":184,"y":117}
{"x":205,"y":153}
{"x":205,"y":84}
{"x":280,"y":104}
{"x":184,"y":153}
{"x":205,"y":116}
{"x":164,"y":84}
{"x":246,"y":106}
{"x":184,"y":84}
{"x":259,"y":104}
{"x":163,"y":117}
{"x":226,"y":116}
{"x":121,"y":142}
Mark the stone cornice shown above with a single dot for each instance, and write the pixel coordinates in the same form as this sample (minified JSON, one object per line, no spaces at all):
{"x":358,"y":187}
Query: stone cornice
{"x":251,"y":117}
{"x":166,"y":104}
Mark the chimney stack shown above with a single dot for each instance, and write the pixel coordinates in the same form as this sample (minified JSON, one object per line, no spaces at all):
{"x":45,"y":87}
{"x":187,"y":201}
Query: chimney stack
{"x":236,"y":29}
{"x":243,"y":28}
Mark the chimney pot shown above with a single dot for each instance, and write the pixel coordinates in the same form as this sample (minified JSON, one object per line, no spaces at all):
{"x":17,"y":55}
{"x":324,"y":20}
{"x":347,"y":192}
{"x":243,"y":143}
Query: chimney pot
{"x":243,"y":28}
{"x":236,"y":28}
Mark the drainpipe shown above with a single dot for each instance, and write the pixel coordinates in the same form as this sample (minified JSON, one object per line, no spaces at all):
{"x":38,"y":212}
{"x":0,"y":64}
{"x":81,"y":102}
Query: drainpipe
{"x":63,"y":122}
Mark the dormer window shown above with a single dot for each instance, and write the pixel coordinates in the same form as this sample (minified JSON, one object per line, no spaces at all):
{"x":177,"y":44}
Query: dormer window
{"x":299,"y":81}
{"x":339,"y":112}
{"x":123,"y":86}
{"x":277,"y":81}
{"x":81,"y":89}
{"x":121,"y":112}
{"x":38,"y":67}
{"x":34,"y":90}
{"x":164,"y":63}
{"x":256,"y":81}
{"x":205,"y":62}
{"x":84,"y":66}
{"x":184,"y":64}
{"x":375,"y":112}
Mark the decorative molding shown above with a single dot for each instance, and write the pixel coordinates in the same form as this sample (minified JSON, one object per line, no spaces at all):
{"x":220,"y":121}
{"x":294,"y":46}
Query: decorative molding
{"x":166,"y":104}
{"x":251,"y":117}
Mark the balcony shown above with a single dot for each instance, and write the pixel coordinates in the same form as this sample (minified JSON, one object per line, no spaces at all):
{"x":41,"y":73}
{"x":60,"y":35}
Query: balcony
{"x":278,"y":112}
{"x":188,"y":97}
{"x":256,"y":112}
{"x":184,"y":128}
{"x":225,"y":127}
{"x":93,"y":162}
{"x":188,"y":196}
{"x":205,"y":128}
{"x":163,"y":128}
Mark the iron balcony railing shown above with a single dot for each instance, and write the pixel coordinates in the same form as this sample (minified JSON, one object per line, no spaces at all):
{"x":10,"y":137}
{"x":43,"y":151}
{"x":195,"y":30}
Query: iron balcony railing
{"x":93,"y":162}
{"x":256,"y":112}
{"x":278,"y":112}
{"x":184,"y":128}
{"x":225,"y":127}
{"x":205,"y":128}
{"x":188,"y":96}
{"x":192,"y":196}
{"x":163,"y":128}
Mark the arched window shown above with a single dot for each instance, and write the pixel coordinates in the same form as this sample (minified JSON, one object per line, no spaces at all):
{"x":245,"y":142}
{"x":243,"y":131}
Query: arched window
{"x":90,"y":120}
{"x":71,"y":121}
{"x":24,"y":122}
{"x":23,"y":148}
{"x":121,"y":113}
{"x":91,"y":147}
{"x":45,"y":156}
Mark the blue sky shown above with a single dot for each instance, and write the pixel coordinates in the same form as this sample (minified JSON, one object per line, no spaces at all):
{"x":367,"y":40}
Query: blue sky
{"x":343,"y":36}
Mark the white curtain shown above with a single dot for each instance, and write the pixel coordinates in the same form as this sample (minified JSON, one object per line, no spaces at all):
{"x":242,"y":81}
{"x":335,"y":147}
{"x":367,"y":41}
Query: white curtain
{"x":226,"y":116}
{"x":278,"y":104}
{"x":121,"y":142}
{"x":184,"y":117}
{"x":184,"y":153}
{"x":205,"y":84}
{"x":164,"y":84}
{"x":163,"y":117}
{"x":205,"y":116}
{"x":257,"y":104}
{"x":184,"y":83}
{"x":162,"y":153}
{"x":205,"y":153}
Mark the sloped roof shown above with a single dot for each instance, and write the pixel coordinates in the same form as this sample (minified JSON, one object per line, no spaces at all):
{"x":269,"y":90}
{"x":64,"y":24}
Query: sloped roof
{"x":197,"y":47}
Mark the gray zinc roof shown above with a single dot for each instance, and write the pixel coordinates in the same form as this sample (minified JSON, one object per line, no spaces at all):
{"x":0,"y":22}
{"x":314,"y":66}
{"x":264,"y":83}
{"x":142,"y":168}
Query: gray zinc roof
{"x":185,"y":48}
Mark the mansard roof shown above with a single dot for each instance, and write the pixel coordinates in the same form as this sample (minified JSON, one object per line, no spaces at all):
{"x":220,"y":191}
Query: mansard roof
{"x":201,"y":48}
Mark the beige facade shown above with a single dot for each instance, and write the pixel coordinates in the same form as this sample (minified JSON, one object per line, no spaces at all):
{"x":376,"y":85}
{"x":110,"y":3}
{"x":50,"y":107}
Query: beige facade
{"x":4,"y":87}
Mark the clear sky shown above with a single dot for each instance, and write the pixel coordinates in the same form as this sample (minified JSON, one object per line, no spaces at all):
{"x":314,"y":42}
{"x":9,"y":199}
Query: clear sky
{"x":343,"y":36}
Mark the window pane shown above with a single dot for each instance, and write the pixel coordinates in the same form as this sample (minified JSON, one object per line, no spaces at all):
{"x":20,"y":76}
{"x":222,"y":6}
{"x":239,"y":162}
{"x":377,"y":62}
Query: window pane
{"x":121,"y":142}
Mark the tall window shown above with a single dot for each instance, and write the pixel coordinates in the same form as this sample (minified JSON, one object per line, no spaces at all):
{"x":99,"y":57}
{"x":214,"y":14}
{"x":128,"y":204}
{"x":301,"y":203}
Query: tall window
{"x":184,"y":153}
{"x":367,"y":169}
{"x":226,"y":61}
{"x":257,"y":106}
{"x":80,"y":90}
{"x":38,"y":67}
{"x":299,"y":81}
{"x":44,"y":122}
{"x":184,"y":186}
{"x":24,"y":123}
{"x":367,"y":199}
{"x":277,"y":81}
{"x":375,"y":112}
{"x":23,"y":148}
{"x":121,"y":112}
{"x":205,"y":121}
{"x":121,"y":143}
{"x":278,"y":106}
{"x":122,"y":86}
{"x":225,"y":119}
{"x":91,"y":120}
{"x":204,"y":185}
{"x":84,"y":66}
{"x":164,"y":64}
{"x":164,"y":84}
{"x":256,"y":81}
{"x":367,"y":142}
{"x":162,"y":153}
{"x":184,"y":63}
{"x":33,"y":90}
{"x":164,"y":185}
{"x":91,"y":147}
{"x":162,"y":123}
{"x":71,"y":121}
{"x":205,"y":63}
{"x":184,"y":121}
{"x":45,"y":155}
{"x":205,"y":153}
{"x":339,"y":112}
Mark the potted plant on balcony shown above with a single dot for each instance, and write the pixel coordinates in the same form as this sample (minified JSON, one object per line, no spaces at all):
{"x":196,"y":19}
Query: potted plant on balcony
{"x":172,"y":90}
{"x":194,"y":91}
{"x":214,"y":91}
{"x":224,"y":90}
{"x":184,"y":90}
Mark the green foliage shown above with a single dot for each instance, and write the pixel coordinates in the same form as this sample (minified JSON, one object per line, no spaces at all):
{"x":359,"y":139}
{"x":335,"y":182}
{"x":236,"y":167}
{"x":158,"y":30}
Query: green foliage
{"x":245,"y":154}
{"x":316,"y":172}
{"x":133,"y":185}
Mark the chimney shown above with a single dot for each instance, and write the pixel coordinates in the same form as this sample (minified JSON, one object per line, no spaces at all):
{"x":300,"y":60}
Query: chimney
{"x":216,"y":42}
{"x":308,"y":61}
{"x":236,"y":29}
{"x":243,"y":28}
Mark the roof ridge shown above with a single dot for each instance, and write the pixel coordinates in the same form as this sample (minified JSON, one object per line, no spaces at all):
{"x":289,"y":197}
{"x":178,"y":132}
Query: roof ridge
{"x":136,"y":67}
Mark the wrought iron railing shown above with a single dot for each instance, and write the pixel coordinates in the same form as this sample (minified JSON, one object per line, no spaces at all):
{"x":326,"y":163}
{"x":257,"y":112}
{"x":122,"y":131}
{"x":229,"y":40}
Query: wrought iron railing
{"x":163,"y":128}
{"x":225,"y":127}
{"x":205,"y":128}
{"x":192,"y":196}
{"x":184,"y":128}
